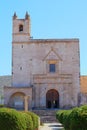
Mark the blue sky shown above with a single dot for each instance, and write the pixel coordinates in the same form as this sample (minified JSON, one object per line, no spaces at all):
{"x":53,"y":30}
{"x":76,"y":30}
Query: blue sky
{"x":49,"y":19}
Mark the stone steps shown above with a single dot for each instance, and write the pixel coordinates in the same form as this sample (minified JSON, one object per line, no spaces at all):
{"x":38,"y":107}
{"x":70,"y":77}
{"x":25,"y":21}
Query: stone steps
{"x":48,"y":119}
{"x":46,"y":116}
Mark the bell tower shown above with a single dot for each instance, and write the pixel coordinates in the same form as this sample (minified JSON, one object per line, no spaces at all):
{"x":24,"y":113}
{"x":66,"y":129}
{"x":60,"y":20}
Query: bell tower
{"x":21,"y":28}
{"x":20,"y":40}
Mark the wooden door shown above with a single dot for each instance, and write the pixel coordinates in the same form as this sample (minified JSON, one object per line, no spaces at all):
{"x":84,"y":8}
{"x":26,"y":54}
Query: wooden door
{"x":52,"y":99}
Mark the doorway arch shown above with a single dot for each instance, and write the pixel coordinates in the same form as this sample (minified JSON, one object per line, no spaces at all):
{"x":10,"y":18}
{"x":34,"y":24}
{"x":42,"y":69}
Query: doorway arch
{"x":52,"y":99}
{"x":17,"y":100}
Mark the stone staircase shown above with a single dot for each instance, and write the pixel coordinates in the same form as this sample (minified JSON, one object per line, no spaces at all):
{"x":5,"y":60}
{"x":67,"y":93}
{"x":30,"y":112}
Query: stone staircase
{"x":46,"y":116}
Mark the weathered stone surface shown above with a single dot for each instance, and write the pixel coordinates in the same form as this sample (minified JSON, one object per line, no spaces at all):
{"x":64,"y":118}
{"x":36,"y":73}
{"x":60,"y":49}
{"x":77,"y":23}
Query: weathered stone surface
{"x":83,"y":81}
{"x":31,"y":59}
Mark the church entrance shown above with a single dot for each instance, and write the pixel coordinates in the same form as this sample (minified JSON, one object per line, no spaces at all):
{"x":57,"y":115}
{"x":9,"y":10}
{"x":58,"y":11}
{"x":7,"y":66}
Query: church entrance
{"x":52,"y":99}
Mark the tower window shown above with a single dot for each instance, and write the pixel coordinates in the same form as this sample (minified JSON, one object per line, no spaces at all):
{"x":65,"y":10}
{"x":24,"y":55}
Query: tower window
{"x":20,"y":68}
{"x":52,"y":68}
{"x":20,"y":28}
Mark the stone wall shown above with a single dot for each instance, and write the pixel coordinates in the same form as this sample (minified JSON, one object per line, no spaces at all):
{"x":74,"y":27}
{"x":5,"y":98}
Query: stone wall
{"x":4,"y":80}
{"x":32,"y":58}
{"x":83,"y":82}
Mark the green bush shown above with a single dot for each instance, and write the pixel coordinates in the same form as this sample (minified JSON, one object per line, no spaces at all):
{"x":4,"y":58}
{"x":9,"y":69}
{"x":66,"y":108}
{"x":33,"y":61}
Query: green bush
{"x":59,"y":115}
{"x":63,"y":117}
{"x":10,"y":119}
{"x":84,"y":121}
{"x":83,"y":107}
{"x":75,"y":119}
{"x":66,"y":119}
{"x":34,"y":119}
{"x":1,"y":105}
{"x":28,"y":120}
{"x":79,"y":118}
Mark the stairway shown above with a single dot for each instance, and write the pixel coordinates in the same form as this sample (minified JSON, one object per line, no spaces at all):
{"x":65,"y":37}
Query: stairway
{"x":46,"y":116}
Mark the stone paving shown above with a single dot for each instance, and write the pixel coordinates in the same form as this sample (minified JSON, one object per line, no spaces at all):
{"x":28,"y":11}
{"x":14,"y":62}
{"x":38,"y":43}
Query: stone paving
{"x":51,"y":126}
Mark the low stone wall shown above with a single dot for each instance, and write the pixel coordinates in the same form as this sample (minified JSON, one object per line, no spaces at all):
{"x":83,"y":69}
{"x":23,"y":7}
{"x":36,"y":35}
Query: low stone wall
{"x":82,"y":99}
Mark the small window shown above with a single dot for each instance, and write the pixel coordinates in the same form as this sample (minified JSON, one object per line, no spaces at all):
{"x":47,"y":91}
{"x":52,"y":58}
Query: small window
{"x":20,"y":28}
{"x":52,"y":68}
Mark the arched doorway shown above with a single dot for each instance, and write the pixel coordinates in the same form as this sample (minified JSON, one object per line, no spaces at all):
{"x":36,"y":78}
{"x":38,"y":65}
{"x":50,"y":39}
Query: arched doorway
{"x":52,"y":99}
{"x":17,"y":101}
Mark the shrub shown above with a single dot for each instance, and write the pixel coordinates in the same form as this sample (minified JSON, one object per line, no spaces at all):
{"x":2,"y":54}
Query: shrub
{"x":59,"y":116}
{"x":63,"y":117}
{"x":1,"y":105}
{"x":83,"y":107}
{"x":10,"y":119}
{"x":66,"y":119}
{"x":84,"y":121}
{"x":28,"y":120}
{"x":34,"y":119}
{"x":75,"y":119}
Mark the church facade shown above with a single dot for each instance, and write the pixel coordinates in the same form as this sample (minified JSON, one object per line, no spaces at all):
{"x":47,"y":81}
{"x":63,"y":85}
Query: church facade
{"x":45,"y":72}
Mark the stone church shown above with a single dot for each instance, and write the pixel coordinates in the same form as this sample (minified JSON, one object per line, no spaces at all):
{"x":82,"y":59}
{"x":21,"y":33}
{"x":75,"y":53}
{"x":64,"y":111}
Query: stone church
{"x":45,"y":72}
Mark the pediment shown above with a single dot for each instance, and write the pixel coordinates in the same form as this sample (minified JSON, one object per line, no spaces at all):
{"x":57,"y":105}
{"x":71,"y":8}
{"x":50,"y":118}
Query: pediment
{"x":52,"y":55}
